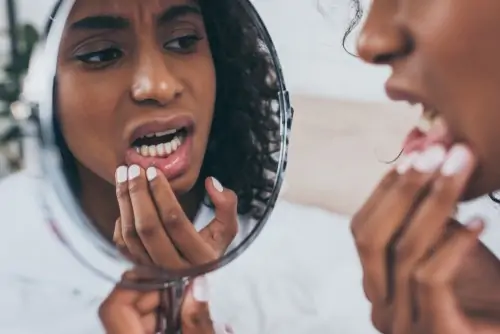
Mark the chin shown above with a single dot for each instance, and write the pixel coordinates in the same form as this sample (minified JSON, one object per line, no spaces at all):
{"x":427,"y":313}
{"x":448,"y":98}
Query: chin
{"x":184,"y":183}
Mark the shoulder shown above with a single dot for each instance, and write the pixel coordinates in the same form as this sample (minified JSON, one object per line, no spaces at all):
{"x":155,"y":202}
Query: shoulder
{"x":28,"y":246}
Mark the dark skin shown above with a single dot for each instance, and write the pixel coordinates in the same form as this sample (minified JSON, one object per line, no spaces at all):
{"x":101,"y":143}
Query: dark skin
{"x":121,"y":64}
{"x":132,"y":312}
{"x":149,"y":68}
{"x":423,"y":272}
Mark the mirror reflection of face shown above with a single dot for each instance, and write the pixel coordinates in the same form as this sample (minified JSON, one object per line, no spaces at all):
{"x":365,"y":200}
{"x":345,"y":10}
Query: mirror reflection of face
{"x":136,"y":85}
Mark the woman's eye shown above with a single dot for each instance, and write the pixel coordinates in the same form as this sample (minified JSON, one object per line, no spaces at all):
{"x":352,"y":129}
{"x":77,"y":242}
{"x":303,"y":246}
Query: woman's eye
{"x":99,"y":57}
{"x":183,"y":44}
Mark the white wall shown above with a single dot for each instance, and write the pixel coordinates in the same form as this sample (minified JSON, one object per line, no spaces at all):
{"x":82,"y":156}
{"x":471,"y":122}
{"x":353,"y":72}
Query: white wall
{"x":308,"y":43}
{"x":310,"y":47}
{"x":33,"y":11}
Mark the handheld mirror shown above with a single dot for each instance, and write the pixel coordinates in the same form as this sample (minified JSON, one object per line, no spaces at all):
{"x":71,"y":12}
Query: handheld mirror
{"x":162,"y":129}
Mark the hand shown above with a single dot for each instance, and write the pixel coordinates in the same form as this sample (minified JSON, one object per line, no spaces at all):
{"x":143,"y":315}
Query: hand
{"x":195,"y":313}
{"x":409,"y":256}
{"x":153,"y":228}
{"x":134,"y":312}
{"x":130,"y":312}
{"x":434,"y":302}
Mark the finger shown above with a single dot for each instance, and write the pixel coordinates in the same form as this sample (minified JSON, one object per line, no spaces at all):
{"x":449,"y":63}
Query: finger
{"x":180,"y":230}
{"x":120,"y":320}
{"x":220,"y":232}
{"x":129,"y":233}
{"x":148,"y":323}
{"x":426,"y":227}
{"x":148,"y":302}
{"x":118,"y":239}
{"x":195,"y":312}
{"x":387,"y":220}
{"x":147,"y":222}
{"x":438,"y":308}
{"x":380,"y":190}
{"x":118,"y":314}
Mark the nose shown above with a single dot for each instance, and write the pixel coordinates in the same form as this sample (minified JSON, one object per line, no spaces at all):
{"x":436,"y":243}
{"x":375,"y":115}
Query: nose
{"x":154,"y":82}
{"x":383,"y":39}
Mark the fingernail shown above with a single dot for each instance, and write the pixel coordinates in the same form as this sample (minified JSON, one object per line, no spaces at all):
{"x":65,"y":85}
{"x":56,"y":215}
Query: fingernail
{"x":151,"y":173}
{"x":133,"y":172}
{"x":221,"y":328}
{"x":475,"y":225}
{"x":457,"y":159}
{"x":430,"y":160}
{"x":406,"y":162}
{"x":200,"y":289}
{"x":217,"y":185}
{"x":121,"y":174}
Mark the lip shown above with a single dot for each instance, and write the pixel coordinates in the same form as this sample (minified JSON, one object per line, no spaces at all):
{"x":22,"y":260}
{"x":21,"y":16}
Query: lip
{"x":159,"y":124}
{"x":416,"y":140}
{"x":397,"y":92}
{"x":171,"y":166}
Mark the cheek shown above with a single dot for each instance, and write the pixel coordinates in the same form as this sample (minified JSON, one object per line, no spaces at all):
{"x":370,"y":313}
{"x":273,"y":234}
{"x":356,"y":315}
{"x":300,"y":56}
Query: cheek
{"x":85,"y":118}
{"x":204,"y":88}
{"x":461,"y":69}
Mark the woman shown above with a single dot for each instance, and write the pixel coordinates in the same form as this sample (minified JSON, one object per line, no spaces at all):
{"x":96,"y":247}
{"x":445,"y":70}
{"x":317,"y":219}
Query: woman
{"x":423,"y":272}
{"x":130,"y":69}
{"x":146,"y":102}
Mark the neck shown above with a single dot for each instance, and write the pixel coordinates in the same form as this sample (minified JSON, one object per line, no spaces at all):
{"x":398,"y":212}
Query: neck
{"x":98,"y":201}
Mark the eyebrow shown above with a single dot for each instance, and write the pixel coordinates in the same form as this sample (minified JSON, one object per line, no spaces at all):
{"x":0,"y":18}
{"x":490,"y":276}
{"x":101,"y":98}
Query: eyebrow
{"x":110,"y":22}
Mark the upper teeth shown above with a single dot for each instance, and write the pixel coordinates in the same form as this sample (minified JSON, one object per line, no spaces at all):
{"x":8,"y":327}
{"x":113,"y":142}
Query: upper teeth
{"x":426,"y":121}
{"x":162,"y":149}
{"x":161,"y":134}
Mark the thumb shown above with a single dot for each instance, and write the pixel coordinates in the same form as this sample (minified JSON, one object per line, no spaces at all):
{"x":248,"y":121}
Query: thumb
{"x":195,"y":312}
{"x":119,"y":315}
{"x":220,"y":232}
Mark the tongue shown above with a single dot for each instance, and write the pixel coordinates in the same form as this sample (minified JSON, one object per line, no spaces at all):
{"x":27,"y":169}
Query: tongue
{"x":418,"y":141}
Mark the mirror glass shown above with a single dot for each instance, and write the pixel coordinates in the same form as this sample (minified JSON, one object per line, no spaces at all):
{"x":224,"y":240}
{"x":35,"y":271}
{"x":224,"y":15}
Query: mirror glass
{"x":162,"y":129}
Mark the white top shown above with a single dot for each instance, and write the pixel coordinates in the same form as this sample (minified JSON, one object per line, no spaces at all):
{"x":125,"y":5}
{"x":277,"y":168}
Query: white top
{"x":302,"y":275}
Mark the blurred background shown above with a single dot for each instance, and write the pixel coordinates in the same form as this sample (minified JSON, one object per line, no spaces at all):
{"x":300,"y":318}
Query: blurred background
{"x":345,"y":129}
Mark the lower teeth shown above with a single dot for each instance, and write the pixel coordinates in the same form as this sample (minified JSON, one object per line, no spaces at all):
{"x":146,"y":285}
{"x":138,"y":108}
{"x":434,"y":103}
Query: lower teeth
{"x":160,"y":150}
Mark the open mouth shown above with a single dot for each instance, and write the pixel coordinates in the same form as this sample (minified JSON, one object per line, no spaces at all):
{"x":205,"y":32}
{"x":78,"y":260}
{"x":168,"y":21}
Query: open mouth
{"x":430,"y":129}
{"x":164,"y":144}
{"x":160,"y":144}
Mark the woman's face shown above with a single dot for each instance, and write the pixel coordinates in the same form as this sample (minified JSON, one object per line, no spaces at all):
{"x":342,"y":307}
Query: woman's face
{"x":136,"y":85}
{"x":444,"y":54}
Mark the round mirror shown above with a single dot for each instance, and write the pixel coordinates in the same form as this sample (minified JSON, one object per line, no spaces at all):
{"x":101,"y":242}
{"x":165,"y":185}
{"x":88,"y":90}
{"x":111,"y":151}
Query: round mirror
{"x":162,"y":130}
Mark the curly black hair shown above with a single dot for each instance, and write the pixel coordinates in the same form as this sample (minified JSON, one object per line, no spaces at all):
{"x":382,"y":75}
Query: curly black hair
{"x":356,"y":18}
{"x":244,"y":142}
{"x":358,"y":14}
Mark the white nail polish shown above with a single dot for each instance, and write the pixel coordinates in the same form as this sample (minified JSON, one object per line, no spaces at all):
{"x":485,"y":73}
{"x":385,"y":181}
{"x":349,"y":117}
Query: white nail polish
{"x":219,"y":327}
{"x":151,"y":173}
{"x":457,"y":159}
{"x":406,"y":162}
{"x":430,"y":160}
{"x":217,"y":185}
{"x":200,"y":289}
{"x":121,"y":174}
{"x":133,"y":172}
{"x":475,"y":224}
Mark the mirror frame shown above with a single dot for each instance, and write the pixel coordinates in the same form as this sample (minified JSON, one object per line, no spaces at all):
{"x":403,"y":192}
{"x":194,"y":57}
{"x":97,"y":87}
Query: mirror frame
{"x":61,"y":205}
